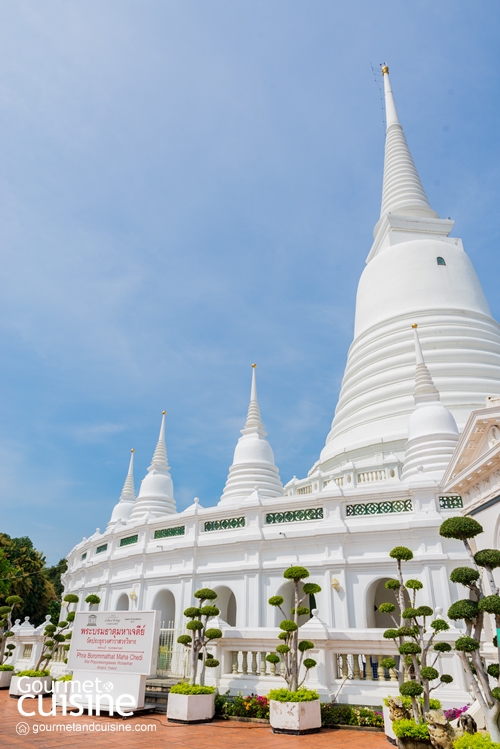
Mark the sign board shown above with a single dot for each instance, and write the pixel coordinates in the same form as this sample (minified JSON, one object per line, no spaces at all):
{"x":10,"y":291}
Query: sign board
{"x":115,"y":641}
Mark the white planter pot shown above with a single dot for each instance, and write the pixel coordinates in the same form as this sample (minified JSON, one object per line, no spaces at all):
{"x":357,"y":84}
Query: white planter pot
{"x":388,"y":725}
{"x":191,"y":708}
{"x":30,"y":685}
{"x":5,"y":679}
{"x":295,"y":717}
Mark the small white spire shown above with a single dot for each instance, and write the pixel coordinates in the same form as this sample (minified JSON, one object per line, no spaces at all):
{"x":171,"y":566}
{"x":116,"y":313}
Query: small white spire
{"x":160,"y":459}
{"x":253,"y":464}
{"x":432,"y":430}
{"x":254,"y":420}
{"x":123,"y":508}
{"x":425,"y":390}
{"x":128,"y":491}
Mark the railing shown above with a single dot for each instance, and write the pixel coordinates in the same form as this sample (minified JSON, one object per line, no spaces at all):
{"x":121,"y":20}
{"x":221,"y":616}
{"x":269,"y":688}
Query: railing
{"x":364,"y":667}
{"x":368,"y":476}
{"x":172,"y":657}
{"x":348,"y":663}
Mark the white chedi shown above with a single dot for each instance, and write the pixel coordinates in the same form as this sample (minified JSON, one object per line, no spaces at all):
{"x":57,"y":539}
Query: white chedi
{"x":156,"y":495}
{"x":432,"y":430}
{"x":123,"y":508}
{"x":415,"y":272}
{"x":253,"y":468}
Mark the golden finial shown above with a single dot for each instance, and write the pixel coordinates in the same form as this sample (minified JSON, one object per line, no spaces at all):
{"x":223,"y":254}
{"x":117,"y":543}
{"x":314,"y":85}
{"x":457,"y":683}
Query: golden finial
{"x":164,"y":413}
{"x":414,"y":325}
{"x":253,"y":366}
{"x":385,"y":69}
{"x":132,"y":450}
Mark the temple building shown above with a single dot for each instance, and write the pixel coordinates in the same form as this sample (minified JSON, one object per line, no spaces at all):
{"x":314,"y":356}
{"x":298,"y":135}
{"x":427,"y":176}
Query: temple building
{"x":415,"y":439}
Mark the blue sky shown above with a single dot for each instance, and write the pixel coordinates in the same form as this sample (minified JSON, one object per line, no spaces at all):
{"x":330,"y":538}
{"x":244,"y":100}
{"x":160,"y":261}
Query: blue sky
{"x":188,"y":187}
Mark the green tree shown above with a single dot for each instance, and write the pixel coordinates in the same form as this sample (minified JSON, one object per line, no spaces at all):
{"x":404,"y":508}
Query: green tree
{"x":29,"y":581}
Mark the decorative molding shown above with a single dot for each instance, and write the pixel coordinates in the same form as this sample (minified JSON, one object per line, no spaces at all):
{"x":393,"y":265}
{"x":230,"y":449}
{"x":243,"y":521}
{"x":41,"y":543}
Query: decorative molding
{"x":129,"y":540}
{"x":451,"y":502}
{"x":178,"y":530}
{"x":379,"y":508}
{"x":314,"y":513}
{"x":225,"y":524}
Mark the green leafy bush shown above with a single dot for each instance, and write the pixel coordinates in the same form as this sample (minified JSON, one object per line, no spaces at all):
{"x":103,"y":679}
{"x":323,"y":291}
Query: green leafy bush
{"x":65,"y":677}
{"x":32,"y":673}
{"x":408,"y":729}
{"x":333,"y":714}
{"x":475,"y":741}
{"x":251,"y":706}
{"x":301,"y":695}
{"x":6,"y":667}
{"x":185,"y":688}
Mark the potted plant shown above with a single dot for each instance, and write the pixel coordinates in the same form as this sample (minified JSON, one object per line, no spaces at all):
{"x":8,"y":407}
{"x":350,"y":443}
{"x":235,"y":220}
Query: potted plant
{"x":296,"y":710}
{"x":6,"y":647}
{"x":484,"y":599}
{"x":194,"y":702}
{"x":30,"y":681}
{"x":6,"y":672}
{"x":419,"y":654}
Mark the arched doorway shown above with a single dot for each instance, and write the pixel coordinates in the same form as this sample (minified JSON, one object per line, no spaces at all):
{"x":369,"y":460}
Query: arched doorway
{"x":123,"y":603}
{"x":287,"y":591}
{"x":377,"y":593}
{"x":226,"y":603}
{"x":164,"y":602}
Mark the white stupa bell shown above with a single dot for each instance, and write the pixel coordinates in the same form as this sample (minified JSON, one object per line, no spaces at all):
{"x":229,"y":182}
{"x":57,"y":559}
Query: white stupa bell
{"x":432,"y":430}
{"x":156,"y":495}
{"x":253,"y":467}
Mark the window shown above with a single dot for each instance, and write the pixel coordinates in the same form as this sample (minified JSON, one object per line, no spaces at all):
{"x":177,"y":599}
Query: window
{"x":102,"y":548}
{"x":84,"y":556}
{"x":441,"y":261}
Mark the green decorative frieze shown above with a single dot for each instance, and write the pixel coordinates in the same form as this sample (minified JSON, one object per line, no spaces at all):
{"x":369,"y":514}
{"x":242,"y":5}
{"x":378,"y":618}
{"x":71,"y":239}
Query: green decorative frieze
{"x":379,"y":508}
{"x":102,"y":548}
{"x":451,"y":503}
{"x":178,"y":530}
{"x":129,"y":540}
{"x":314,"y":513}
{"x":225,"y":524}
{"x":84,"y":556}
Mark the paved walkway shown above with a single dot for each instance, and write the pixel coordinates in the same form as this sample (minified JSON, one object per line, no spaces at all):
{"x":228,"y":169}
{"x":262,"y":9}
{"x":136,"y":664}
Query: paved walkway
{"x":153,"y":732}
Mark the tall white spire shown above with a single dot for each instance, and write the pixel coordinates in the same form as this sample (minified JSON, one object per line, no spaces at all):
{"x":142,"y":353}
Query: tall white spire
{"x":156,"y":495}
{"x":123,"y":508}
{"x":253,"y":465}
{"x":415,"y":272}
{"x":432,"y":430}
{"x":402,"y":191}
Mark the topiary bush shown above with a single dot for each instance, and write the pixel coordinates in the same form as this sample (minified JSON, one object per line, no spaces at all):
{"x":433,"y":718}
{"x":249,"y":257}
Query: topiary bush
{"x":411,"y":633}
{"x":200,"y":635}
{"x":185,"y":688}
{"x":484,"y":601}
{"x":291,"y":651}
